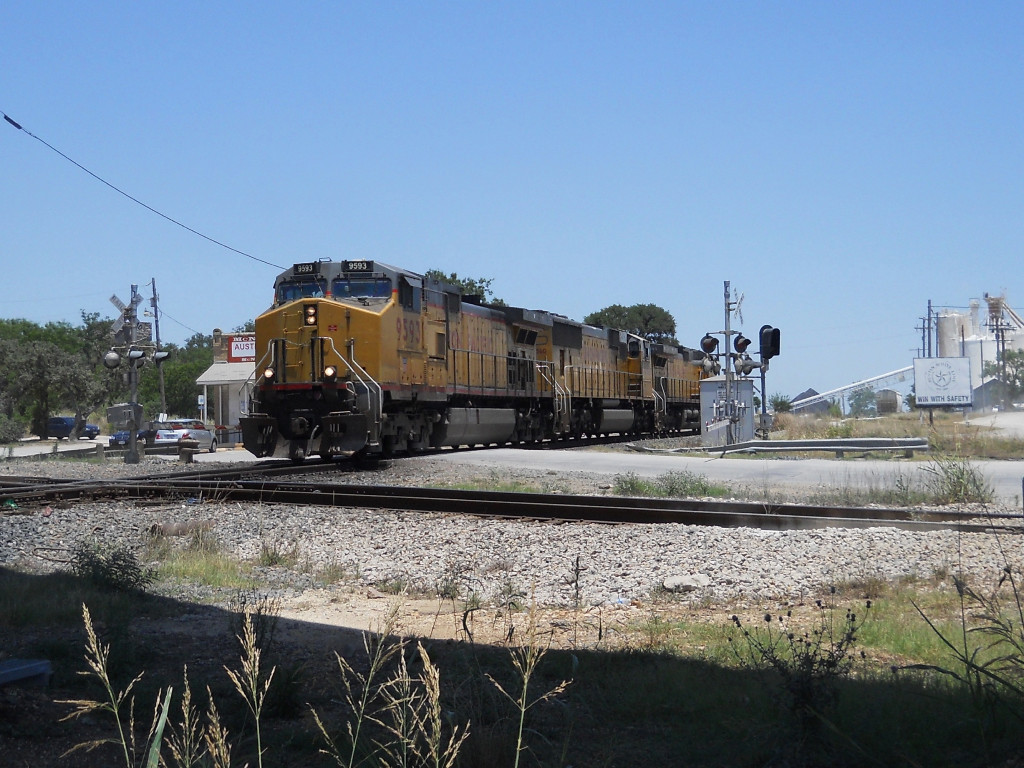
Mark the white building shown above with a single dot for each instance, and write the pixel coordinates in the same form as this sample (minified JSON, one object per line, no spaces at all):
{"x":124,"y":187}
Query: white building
{"x":979,"y":338}
{"x":227,"y":384}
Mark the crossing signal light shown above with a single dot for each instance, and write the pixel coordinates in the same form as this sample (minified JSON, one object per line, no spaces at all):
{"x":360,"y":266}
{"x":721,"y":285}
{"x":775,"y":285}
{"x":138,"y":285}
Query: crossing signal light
{"x":745,"y":365}
{"x":709,"y":343}
{"x":740,"y":343}
{"x":769,"y":342}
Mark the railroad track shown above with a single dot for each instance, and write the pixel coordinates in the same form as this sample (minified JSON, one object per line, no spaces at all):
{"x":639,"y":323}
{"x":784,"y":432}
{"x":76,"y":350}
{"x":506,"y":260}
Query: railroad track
{"x":230,"y":485}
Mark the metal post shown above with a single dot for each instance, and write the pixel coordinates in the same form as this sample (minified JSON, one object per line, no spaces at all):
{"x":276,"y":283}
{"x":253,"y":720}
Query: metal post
{"x":730,"y":409}
{"x":764,"y":403}
{"x":131,"y":456}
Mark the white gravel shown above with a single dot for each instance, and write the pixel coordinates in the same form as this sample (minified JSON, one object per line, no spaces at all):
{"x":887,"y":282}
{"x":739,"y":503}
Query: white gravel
{"x":617,"y":563}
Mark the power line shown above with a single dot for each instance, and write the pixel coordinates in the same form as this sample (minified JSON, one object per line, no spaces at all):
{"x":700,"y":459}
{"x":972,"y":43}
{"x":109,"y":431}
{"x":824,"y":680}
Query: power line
{"x":136,"y":200}
{"x":176,"y":320}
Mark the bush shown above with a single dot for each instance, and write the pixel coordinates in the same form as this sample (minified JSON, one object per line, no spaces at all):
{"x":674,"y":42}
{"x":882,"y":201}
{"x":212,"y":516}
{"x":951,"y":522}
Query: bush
{"x":113,"y":567}
{"x":670,"y":485}
{"x":806,"y":666}
{"x":11,"y":430}
{"x":954,"y":480}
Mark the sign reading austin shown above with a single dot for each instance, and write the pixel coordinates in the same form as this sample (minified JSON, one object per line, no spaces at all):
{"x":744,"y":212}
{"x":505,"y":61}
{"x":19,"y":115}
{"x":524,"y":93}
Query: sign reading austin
{"x":942,"y":381}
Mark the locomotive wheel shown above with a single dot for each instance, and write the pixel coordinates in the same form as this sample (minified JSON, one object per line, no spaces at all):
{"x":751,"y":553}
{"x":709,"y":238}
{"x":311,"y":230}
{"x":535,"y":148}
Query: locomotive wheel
{"x":297,"y":452}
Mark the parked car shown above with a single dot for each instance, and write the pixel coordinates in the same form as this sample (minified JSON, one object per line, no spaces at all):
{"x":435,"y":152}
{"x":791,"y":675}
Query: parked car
{"x":61,"y":426}
{"x":171,"y":432}
{"x":120,"y":438}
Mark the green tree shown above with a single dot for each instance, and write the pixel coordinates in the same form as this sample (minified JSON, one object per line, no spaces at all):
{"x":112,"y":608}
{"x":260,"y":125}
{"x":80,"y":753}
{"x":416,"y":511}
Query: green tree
{"x":468,"y":286}
{"x":88,"y":384}
{"x":30,"y":371}
{"x":1009,"y":371}
{"x":181,"y":369}
{"x":780,"y":403}
{"x":54,"y":367}
{"x":647,"y":320}
{"x":862,"y":402}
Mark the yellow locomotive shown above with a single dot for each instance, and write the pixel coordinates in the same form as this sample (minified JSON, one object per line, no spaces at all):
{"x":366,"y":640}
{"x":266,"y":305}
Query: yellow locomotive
{"x":359,"y":357}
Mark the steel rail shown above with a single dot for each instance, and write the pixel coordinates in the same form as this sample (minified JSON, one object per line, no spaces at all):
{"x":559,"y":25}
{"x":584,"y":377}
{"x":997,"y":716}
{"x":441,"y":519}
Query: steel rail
{"x":601,"y":509}
{"x":18,"y":488}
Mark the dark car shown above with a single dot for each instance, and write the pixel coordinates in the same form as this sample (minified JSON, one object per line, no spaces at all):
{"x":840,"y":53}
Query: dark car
{"x":120,"y":438}
{"x":61,"y":426}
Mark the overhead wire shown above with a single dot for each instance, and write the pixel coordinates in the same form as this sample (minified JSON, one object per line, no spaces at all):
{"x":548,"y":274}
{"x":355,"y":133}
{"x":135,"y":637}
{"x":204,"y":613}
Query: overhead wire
{"x":136,"y":200}
{"x":176,"y":320}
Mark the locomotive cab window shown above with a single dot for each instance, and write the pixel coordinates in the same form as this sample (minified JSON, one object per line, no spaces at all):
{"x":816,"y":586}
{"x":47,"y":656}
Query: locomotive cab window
{"x":362,"y":288}
{"x":300,"y":289}
{"x":409,"y":290}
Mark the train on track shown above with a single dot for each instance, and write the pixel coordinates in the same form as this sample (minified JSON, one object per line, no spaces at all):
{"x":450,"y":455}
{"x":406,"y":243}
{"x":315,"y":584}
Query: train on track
{"x":363,"y":358}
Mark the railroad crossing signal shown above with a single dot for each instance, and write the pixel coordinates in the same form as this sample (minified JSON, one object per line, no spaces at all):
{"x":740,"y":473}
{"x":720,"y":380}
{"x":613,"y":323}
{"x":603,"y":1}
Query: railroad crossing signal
{"x":132,"y":338}
{"x":770,"y":339}
{"x":125,"y":328}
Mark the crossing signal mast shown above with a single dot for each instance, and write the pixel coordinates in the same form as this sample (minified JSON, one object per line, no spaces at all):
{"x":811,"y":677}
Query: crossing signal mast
{"x":132,"y":342}
{"x":738,"y":364}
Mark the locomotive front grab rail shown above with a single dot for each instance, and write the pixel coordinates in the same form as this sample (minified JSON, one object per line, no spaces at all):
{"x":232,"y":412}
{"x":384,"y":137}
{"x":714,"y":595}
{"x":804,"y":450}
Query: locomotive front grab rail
{"x":561,"y":396}
{"x":374,"y":394}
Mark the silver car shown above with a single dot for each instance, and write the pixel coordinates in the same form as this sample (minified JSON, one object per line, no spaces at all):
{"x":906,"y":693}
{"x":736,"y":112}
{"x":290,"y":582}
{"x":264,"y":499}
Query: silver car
{"x":171,"y":432}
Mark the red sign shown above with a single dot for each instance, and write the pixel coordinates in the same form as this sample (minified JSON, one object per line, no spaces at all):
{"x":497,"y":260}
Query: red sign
{"x":242,"y":348}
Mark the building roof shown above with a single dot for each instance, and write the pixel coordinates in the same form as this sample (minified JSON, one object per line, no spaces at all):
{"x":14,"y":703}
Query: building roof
{"x":226,"y":373}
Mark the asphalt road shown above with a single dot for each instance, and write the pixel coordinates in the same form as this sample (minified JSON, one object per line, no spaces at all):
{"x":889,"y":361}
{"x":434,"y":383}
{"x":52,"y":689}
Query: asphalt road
{"x":1010,"y":423}
{"x":1005,"y":477}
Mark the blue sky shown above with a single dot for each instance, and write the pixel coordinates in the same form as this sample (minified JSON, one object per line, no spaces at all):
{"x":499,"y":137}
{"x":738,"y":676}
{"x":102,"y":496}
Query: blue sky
{"x":839,"y":163}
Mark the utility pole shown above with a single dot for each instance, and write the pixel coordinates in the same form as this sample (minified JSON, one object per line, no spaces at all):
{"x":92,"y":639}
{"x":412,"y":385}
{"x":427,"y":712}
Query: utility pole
{"x":928,"y":326}
{"x":156,"y":329}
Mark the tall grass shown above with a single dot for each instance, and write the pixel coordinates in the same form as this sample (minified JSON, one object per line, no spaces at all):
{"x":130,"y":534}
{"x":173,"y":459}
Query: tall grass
{"x":948,"y":433}
{"x":97,"y":658}
{"x":525,"y":660}
{"x":395,"y":718}
{"x":949,"y":480}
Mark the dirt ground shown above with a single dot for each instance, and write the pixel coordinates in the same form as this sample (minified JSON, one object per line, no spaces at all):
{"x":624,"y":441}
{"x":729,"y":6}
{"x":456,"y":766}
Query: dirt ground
{"x":308,"y":632}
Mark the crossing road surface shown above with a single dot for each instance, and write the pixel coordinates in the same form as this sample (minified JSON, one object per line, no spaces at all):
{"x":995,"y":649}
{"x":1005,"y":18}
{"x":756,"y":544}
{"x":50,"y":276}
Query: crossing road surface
{"x":1005,"y":477}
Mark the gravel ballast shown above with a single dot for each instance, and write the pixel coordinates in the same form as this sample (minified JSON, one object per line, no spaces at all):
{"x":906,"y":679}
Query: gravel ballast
{"x":493,"y":558}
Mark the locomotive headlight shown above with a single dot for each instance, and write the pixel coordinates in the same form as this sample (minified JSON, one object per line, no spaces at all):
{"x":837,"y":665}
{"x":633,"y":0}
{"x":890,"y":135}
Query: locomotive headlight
{"x":330,"y":373}
{"x":310,"y":311}
{"x":268,"y":374}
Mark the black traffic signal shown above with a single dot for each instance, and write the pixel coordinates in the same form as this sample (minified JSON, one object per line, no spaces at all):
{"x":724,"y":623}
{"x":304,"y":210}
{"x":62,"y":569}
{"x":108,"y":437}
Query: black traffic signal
{"x":709,"y":343}
{"x":769,"y":342}
{"x":740,"y":343}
